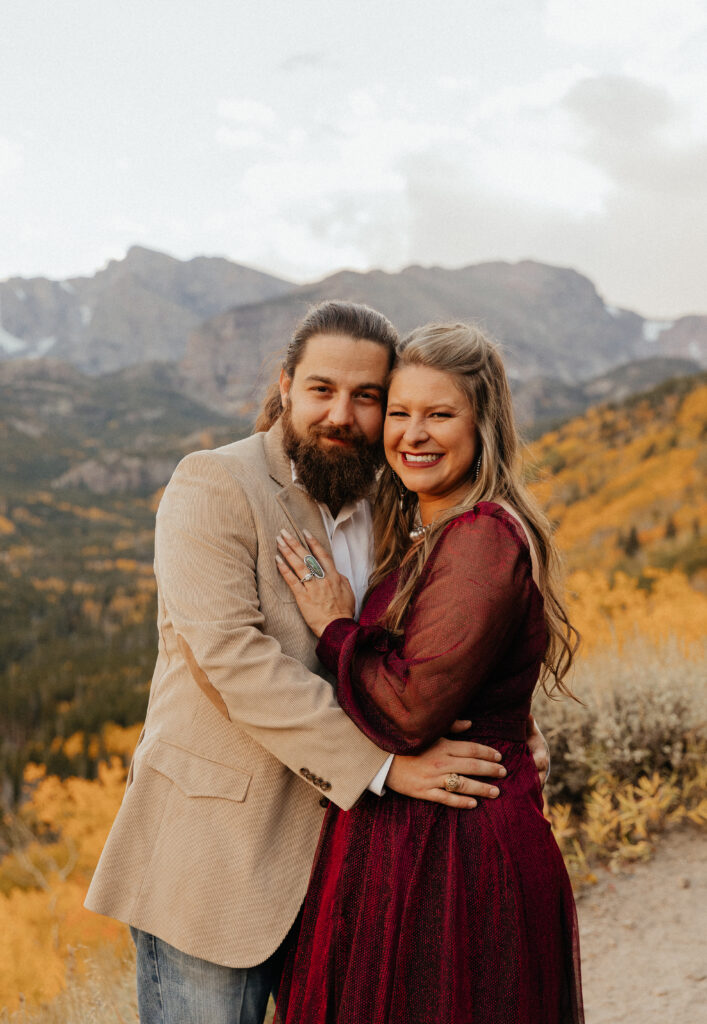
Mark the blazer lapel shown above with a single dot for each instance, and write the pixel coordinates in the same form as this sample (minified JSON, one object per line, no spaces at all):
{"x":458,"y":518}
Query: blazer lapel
{"x":301,"y":510}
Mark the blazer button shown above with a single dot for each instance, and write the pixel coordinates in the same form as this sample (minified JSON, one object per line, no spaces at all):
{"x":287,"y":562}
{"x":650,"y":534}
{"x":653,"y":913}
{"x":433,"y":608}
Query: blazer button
{"x":326,"y":786}
{"x":323,"y":802}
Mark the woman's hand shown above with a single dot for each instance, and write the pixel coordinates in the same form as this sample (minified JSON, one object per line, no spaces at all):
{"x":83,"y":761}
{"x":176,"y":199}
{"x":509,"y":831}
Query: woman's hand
{"x":320,"y":600}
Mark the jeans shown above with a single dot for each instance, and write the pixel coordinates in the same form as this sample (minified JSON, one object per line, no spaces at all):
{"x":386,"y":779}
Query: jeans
{"x":175,"y":988}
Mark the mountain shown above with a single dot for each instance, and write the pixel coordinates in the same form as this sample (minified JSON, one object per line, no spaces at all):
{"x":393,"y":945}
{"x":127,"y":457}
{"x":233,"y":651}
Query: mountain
{"x":541,"y":403}
{"x":135,"y":310}
{"x":221,"y":329}
{"x":550,"y":321}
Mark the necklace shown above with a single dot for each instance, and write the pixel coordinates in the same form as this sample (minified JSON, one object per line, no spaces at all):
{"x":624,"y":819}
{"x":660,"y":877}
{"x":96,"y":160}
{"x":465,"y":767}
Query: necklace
{"x":419,"y":532}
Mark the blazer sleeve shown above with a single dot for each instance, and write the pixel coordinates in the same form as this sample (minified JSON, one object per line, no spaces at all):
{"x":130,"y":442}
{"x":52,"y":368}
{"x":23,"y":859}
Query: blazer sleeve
{"x":473,"y":593}
{"x":205,"y":562}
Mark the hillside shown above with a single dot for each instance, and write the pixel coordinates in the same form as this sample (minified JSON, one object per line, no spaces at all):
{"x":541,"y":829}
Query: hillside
{"x":121,"y":432}
{"x":626,"y":483}
{"x":80,"y":461}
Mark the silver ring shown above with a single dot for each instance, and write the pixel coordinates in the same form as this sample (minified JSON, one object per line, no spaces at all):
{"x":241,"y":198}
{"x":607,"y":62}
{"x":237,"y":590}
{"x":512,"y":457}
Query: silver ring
{"x":309,"y":576}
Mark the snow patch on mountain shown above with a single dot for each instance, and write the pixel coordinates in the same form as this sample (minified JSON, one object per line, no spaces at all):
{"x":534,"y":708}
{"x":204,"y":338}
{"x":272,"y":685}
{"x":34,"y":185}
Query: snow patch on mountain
{"x":652,"y":329}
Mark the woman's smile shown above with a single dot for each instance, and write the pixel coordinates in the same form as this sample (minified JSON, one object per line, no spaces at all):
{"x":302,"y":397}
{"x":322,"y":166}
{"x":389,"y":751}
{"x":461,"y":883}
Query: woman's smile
{"x":421,"y":459}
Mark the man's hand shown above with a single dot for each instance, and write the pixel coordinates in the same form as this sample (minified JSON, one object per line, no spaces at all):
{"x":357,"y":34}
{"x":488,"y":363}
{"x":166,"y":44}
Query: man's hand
{"x":538,"y":748}
{"x":423,"y":775}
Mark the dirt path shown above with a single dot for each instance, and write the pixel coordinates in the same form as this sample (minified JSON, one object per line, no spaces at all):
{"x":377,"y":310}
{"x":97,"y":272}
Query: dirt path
{"x":643,"y":936}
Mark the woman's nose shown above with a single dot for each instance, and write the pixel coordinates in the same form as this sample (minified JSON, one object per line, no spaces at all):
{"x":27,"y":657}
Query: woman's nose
{"x":415,"y":431}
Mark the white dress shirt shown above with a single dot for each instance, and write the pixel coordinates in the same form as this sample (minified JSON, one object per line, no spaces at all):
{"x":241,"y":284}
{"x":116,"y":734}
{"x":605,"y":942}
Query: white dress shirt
{"x":351,"y":539}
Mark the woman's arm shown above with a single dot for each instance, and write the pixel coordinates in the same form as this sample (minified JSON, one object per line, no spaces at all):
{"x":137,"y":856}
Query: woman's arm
{"x":473,"y":593}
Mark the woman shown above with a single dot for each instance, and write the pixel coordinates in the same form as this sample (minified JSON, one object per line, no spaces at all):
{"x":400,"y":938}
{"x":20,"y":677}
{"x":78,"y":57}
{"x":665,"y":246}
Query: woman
{"x":419,"y":913}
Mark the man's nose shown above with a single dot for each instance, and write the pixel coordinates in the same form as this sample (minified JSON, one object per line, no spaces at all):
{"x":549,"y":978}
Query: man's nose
{"x":341,"y":411}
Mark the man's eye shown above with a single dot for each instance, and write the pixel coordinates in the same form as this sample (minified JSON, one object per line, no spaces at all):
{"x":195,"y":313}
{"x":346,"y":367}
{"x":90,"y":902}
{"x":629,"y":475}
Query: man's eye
{"x":321,"y":389}
{"x":369,"y":396}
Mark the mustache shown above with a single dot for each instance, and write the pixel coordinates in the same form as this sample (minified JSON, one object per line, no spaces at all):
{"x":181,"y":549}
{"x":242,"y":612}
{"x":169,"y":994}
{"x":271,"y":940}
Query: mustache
{"x":337,"y":433}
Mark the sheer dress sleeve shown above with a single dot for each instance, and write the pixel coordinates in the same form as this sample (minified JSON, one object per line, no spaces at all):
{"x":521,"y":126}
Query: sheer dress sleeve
{"x":473,"y":593}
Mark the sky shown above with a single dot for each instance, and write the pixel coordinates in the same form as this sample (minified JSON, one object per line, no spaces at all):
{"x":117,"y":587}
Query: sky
{"x":306,"y":136}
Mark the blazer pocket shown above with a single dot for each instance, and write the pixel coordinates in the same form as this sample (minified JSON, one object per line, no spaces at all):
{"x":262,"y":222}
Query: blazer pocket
{"x":196,"y":776}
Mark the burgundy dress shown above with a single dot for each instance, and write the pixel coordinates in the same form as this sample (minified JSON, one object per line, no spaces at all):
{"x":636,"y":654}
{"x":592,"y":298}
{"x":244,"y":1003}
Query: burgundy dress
{"x":418,"y":913}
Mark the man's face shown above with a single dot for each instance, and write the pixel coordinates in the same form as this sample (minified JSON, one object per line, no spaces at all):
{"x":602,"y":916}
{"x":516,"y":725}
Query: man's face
{"x":333,"y":416}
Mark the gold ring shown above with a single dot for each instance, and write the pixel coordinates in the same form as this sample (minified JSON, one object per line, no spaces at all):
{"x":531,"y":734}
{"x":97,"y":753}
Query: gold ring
{"x":452,"y":782}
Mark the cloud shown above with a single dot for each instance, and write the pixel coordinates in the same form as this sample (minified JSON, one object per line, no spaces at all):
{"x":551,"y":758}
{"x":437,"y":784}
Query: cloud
{"x":655,"y":26}
{"x":632,"y":132}
{"x":11,"y":157}
{"x":636,"y":230}
{"x":601,"y":172}
{"x":244,"y":111}
{"x":310,"y":60}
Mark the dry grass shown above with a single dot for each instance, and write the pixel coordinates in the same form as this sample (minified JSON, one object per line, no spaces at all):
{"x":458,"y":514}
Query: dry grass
{"x":645,"y":711}
{"x":102,"y":991}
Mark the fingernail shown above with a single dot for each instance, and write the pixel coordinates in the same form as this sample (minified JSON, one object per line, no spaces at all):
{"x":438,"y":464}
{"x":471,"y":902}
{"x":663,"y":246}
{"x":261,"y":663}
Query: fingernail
{"x":497,"y":757}
{"x":280,"y":560}
{"x":472,"y":803}
{"x":495,"y":791}
{"x":286,"y":534}
{"x":502,"y":772}
{"x":307,"y":533}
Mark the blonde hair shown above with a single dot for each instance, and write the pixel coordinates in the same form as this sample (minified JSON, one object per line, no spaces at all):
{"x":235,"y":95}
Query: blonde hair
{"x":475,"y":364}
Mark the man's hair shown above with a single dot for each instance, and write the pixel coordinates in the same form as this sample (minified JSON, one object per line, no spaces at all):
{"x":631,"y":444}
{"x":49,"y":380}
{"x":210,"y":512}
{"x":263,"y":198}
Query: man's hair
{"x":347,"y":319}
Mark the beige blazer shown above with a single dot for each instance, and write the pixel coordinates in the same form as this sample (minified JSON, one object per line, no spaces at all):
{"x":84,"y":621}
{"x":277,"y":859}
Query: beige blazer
{"x":243,"y":741}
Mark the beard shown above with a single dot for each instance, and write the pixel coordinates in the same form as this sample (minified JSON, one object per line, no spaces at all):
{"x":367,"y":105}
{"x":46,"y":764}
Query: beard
{"x":337,"y":476}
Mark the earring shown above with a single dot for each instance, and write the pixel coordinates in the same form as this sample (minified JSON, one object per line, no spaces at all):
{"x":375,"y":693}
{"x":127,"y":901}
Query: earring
{"x":477,"y":467}
{"x":401,"y":489}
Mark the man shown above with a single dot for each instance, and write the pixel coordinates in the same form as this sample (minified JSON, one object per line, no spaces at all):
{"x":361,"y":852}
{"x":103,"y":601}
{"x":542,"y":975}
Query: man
{"x":244,"y":743}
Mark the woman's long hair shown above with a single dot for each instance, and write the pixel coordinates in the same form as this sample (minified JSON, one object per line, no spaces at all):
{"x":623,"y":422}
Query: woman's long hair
{"x":475,"y":364}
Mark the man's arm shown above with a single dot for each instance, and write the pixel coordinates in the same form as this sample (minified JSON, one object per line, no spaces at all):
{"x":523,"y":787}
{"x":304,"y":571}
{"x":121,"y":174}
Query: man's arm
{"x":205,"y":558}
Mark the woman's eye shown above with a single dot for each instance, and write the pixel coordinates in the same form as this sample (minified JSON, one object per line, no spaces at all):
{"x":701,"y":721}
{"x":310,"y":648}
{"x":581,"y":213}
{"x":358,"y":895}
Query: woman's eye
{"x":396,"y":412}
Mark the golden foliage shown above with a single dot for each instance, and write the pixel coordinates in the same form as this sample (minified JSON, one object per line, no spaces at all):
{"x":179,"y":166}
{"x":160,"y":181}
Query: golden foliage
{"x":612,"y":469}
{"x":620,"y":820}
{"x":660,"y":605}
{"x":41,"y":912}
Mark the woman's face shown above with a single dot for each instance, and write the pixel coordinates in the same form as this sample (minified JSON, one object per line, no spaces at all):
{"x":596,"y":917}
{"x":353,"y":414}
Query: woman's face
{"x":430,"y":436}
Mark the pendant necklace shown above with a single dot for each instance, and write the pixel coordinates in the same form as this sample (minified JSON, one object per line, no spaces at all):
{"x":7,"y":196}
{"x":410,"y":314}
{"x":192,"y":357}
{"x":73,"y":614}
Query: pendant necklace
{"x":418,"y":532}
